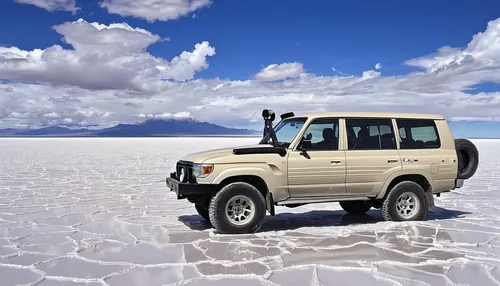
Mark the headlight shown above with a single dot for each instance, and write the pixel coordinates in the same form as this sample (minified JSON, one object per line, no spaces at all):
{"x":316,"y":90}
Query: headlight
{"x":182,"y":175}
{"x":202,"y":170}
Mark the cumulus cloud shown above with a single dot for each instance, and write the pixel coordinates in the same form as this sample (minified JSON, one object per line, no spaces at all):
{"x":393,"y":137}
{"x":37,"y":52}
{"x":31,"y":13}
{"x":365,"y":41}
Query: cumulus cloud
{"x":103,"y":57}
{"x":154,"y":10}
{"x":432,"y":62}
{"x":52,"y":5}
{"x":478,"y":62}
{"x":280,"y":71}
{"x":51,"y":115}
{"x":182,"y":114}
{"x":439,"y":86}
{"x":117,"y":38}
{"x":184,"y":66}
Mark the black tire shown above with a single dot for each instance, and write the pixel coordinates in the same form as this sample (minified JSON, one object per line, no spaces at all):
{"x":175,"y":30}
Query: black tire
{"x":356,"y":207}
{"x":389,"y":207}
{"x":468,"y":158}
{"x":203,"y":211}
{"x":217,"y":209}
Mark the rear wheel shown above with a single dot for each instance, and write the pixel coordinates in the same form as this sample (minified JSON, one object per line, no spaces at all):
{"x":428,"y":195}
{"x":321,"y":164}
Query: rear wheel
{"x":406,"y":201}
{"x":356,"y":207}
{"x":237,"y":208}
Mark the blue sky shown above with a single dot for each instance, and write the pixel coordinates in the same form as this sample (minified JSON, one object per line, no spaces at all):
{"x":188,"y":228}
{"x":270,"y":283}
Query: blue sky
{"x":351,"y":36}
{"x":338,"y":41}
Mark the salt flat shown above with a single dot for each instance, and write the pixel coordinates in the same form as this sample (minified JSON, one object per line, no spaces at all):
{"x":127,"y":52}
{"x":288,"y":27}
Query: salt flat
{"x":97,"y":212}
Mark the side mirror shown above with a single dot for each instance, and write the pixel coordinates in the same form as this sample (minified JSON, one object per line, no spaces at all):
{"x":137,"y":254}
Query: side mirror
{"x":304,"y":145}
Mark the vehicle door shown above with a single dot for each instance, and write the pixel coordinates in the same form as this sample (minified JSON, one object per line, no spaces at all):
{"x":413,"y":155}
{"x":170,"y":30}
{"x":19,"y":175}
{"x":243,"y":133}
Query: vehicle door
{"x":420,"y":149}
{"x":371,"y":155}
{"x":316,"y":167}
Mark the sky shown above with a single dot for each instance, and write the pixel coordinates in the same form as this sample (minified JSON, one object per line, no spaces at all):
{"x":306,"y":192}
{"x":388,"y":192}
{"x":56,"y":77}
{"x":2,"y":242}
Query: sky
{"x":94,"y":64}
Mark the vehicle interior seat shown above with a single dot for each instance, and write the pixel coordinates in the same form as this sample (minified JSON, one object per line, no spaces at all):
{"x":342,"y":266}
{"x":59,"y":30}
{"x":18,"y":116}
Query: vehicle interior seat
{"x":367,"y":142}
{"x":388,"y":141}
{"x":329,"y":141}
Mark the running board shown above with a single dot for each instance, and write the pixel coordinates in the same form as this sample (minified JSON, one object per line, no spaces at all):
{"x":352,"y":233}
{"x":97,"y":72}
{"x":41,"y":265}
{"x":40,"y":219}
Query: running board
{"x":320,"y":200}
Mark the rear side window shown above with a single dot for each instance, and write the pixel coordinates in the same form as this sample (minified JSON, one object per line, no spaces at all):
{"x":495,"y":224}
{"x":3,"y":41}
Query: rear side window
{"x":370,"y":134}
{"x":418,"y":134}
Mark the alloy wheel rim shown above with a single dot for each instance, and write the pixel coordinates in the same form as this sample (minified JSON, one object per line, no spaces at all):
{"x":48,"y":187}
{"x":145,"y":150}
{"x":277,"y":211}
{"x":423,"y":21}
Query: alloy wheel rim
{"x":240,"y":210}
{"x":407,"y":205}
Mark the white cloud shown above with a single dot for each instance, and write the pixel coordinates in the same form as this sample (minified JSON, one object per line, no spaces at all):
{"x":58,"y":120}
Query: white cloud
{"x":478,"y":62}
{"x":104,"y":57}
{"x":164,"y":115}
{"x":338,"y":71}
{"x":440,"y":87}
{"x":154,"y":10}
{"x":370,"y":74}
{"x":280,"y":71}
{"x":115,"y":39}
{"x":184,"y":66}
{"x":52,"y":5}
{"x":51,"y":115}
{"x":378,"y":66}
{"x":178,"y":115}
{"x":444,"y":55}
{"x":477,"y":118}
{"x":182,"y":114}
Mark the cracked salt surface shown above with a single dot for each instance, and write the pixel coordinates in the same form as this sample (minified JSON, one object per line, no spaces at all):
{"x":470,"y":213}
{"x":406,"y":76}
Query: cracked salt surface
{"x":97,"y":212}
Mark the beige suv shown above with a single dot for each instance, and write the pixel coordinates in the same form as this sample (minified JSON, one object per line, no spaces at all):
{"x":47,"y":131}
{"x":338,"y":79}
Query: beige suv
{"x":394,"y":162}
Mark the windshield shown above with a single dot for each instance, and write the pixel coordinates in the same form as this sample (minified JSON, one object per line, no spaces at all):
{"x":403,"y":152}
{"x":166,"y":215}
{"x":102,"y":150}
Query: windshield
{"x":287,"y":129}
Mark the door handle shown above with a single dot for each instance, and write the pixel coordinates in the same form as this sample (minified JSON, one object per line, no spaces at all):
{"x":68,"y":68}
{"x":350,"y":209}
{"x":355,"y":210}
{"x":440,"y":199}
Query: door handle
{"x":336,"y":162}
{"x":392,"y":160}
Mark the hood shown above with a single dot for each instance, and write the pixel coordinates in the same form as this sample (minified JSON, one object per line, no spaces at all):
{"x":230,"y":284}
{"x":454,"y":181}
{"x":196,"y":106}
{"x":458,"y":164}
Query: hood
{"x":218,"y":154}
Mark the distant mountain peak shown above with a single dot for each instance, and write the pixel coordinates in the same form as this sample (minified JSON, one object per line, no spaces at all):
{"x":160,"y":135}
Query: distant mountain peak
{"x":169,"y":119}
{"x":156,"y":127}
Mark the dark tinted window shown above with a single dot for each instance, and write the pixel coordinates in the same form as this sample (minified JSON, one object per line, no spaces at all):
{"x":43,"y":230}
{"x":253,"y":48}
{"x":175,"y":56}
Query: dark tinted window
{"x":370,"y":134}
{"x":418,"y":134}
{"x":323,"y":134}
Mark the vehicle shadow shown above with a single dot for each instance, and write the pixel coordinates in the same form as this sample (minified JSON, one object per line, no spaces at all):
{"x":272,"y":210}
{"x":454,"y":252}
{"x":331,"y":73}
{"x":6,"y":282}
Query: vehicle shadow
{"x":320,"y":218}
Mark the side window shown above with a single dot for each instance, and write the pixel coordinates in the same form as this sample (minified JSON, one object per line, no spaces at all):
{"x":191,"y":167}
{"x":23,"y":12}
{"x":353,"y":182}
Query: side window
{"x":323,"y":134}
{"x":370,"y":134}
{"x":418,"y":134}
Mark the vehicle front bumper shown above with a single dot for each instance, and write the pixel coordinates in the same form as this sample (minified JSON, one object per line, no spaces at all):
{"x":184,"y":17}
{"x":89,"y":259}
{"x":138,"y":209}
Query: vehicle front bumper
{"x":184,"y":190}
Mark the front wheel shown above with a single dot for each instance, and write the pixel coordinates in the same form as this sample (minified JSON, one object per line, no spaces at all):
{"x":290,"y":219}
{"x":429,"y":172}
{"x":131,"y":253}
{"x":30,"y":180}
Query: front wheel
{"x":203,"y":211}
{"x":406,"y":201}
{"x":237,"y":208}
{"x":356,"y":207}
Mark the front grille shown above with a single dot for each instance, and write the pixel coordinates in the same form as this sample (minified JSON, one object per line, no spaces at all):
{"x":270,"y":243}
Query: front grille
{"x":188,"y":166}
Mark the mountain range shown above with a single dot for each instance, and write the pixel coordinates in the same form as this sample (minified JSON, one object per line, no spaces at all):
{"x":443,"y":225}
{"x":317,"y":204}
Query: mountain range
{"x":148,"y":128}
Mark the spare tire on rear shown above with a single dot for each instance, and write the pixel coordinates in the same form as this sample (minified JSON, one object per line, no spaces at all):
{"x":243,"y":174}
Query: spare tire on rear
{"x":468,"y":158}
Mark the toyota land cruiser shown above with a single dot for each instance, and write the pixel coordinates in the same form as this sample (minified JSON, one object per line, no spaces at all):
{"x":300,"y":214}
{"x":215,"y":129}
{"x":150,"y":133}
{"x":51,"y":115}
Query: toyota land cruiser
{"x":395,"y":162}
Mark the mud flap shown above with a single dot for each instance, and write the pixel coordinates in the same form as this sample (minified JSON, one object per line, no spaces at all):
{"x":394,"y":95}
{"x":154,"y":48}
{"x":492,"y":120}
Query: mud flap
{"x":270,"y":203}
{"x":430,"y":200}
